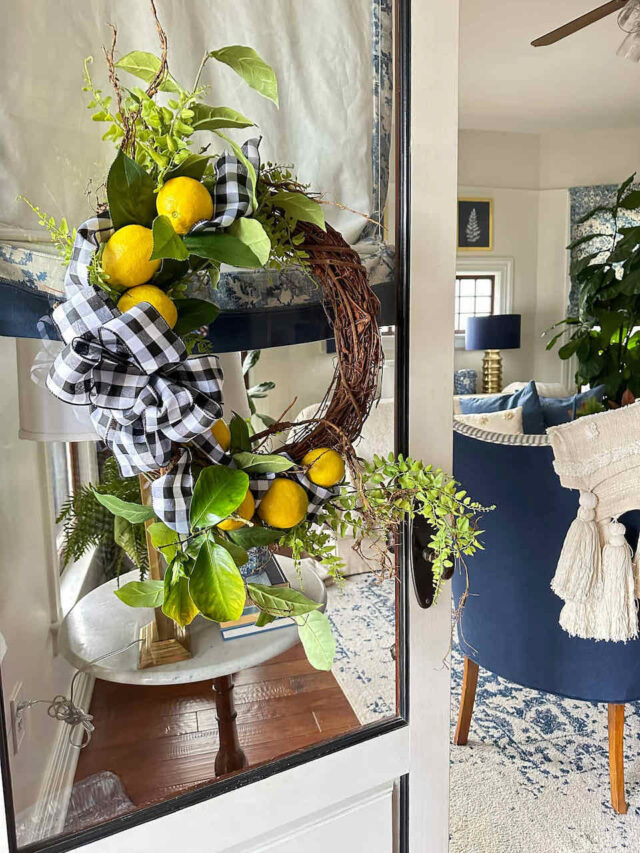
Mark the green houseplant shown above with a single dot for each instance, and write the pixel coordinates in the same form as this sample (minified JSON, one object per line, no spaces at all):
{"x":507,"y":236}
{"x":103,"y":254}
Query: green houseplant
{"x":604,"y":331}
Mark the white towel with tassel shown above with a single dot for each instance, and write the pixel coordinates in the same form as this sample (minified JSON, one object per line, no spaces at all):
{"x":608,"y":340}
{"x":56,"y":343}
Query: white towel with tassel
{"x":597,"y":576}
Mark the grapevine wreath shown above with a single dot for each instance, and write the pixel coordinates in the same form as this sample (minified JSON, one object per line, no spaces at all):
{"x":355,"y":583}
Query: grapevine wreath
{"x":136,"y":354}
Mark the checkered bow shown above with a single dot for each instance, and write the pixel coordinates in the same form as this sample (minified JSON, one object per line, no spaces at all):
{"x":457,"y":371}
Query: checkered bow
{"x":132,"y":370}
{"x":233,"y":191}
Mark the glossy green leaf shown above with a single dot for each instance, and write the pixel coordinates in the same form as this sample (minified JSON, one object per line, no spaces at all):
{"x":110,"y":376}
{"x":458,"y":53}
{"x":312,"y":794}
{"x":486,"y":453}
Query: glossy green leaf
{"x":135,"y":513}
{"x":262,"y":463}
{"x":238,"y":554}
{"x":216,"y":585}
{"x":216,"y":118}
{"x":166,"y":243}
{"x":130,"y":193}
{"x":264,"y":619}
{"x":164,"y":539}
{"x":193,"y":313}
{"x":193,"y":166}
{"x":218,"y":492}
{"x":239,"y":434}
{"x":178,"y":604}
{"x":245,"y":244}
{"x":252,"y":537}
{"x":145,"y":66}
{"x":631,"y":201}
{"x":315,"y":634}
{"x":280,"y":600}
{"x":142,"y":593}
{"x":300,"y":207}
{"x":251,"y":67}
{"x":124,"y":534}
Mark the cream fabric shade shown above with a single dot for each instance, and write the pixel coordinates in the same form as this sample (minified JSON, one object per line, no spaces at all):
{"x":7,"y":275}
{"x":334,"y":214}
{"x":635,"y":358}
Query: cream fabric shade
{"x":51,"y":151}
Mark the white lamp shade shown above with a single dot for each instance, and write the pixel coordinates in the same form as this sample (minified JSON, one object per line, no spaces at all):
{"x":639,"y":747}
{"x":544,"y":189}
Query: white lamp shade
{"x":42,"y":416}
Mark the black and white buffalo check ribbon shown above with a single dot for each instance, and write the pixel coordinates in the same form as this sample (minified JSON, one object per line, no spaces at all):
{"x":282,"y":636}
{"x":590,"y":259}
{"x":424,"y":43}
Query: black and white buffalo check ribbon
{"x":233,"y":191}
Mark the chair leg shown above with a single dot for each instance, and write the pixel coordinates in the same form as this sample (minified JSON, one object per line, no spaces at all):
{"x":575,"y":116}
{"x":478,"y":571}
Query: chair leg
{"x":469,"y":684}
{"x":616,"y":758}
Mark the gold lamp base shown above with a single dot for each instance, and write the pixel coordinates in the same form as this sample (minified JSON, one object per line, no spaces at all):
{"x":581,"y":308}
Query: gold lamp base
{"x":492,"y":372}
{"x":155,"y":652}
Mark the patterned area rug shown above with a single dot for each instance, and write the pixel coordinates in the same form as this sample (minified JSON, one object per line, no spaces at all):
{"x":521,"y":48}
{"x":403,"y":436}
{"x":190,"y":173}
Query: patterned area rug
{"x":363,"y":619}
{"x":534,"y":776}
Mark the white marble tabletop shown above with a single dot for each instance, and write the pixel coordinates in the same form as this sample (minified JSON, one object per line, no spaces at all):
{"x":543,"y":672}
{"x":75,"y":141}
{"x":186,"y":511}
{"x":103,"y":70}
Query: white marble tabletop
{"x":100,"y":623}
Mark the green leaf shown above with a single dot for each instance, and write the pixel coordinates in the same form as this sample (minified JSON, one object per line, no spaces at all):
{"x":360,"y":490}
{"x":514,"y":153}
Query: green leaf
{"x":579,"y":241}
{"x":145,"y":66}
{"x":142,"y":593}
{"x":252,"y":537}
{"x":178,"y":604}
{"x":239,"y":429}
{"x":253,"y":70}
{"x":262,"y":463}
{"x":245,"y":244}
{"x":250,"y":360}
{"x":217,"y":493}
{"x":135,"y":513}
{"x":253,"y":236}
{"x":170,"y":272}
{"x":192,"y":166}
{"x":238,"y":554}
{"x":193,"y":313}
{"x":164,"y":539}
{"x":124,"y":534}
{"x":215,"y":118}
{"x":280,"y":600}
{"x":300,"y":207}
{"x":631,"y":201}
{"x":624,"y":186}
{"x":216,"y":585}
{"x":264,"y":619}
{"x":166,"y":243}
{"x":315,"y":634}
{"x":130,"y":193}
{"x":260,"y":390}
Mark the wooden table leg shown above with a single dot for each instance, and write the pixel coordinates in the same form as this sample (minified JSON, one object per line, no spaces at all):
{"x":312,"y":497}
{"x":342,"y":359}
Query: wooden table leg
{"x":230,"y":756}
{"x":616,"y":758}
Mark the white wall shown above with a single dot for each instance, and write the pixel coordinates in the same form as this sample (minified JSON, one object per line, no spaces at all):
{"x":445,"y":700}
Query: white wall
{"x":515,"y":236}
{"x":528,"y":176}
{"x":26,"y":604}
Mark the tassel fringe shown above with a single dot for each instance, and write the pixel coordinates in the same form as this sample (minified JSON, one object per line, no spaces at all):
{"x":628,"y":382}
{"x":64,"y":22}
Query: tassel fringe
{"x":617,"y":617}
{"x":578,"y":573}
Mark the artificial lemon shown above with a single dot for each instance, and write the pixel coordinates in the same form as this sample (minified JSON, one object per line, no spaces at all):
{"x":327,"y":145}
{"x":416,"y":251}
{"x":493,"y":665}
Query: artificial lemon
{"x":163,"y":304}
{"x":126,"y":256}
{"x":245,"y":510}
{"x":284,"y":505}
{"x":222,"y":434}
{"x":185,"y":201}
{"x":326,"y":466}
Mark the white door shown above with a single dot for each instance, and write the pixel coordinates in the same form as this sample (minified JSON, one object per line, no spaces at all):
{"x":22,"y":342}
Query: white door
{"x":381,"y":788}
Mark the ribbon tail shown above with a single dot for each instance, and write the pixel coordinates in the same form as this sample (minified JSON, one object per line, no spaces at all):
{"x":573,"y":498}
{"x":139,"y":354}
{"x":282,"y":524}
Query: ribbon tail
{"x":171,"y":494}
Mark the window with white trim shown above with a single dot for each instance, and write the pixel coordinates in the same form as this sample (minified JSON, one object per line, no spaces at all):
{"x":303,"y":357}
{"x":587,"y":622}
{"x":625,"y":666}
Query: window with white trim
{"x":483,"y":286}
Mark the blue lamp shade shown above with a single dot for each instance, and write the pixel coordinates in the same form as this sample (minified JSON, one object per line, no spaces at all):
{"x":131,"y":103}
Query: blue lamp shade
{"x":501,"y":331}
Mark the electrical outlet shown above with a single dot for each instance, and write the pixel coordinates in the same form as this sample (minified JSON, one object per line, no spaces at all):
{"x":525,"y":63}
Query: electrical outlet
{"x":18,"y":718}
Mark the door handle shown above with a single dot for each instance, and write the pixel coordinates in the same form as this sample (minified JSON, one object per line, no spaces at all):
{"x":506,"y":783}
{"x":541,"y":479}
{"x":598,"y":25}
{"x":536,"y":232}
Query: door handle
{"x":420,"y":533}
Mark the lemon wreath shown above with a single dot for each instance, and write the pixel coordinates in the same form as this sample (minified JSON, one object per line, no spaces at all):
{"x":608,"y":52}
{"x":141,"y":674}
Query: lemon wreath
{"x":136,"y":355}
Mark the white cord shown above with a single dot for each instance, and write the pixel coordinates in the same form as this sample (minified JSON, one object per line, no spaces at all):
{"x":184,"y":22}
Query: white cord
{"x":66,"y":711}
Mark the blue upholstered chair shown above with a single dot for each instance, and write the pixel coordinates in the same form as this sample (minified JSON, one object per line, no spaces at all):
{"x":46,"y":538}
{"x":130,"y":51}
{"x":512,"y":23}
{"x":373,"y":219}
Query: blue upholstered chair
{"x":510,"y":622}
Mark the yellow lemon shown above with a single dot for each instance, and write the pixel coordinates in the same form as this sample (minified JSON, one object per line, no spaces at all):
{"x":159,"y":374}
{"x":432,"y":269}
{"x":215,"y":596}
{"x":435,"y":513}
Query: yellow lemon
{"x":126,"y":256}
{"x":185,"y":201}
{"x":326,"y":467}
{"x":245,"y":510}
{"x":163,"y":304}
{"x":284,"y":505}
{"x":222,"y":434}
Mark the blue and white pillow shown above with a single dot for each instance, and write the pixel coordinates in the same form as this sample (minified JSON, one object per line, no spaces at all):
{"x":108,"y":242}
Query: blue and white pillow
{"x":527,"y":398}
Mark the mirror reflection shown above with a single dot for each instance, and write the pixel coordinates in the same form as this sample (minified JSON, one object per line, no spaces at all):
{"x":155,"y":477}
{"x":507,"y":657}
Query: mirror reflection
{"x":546,"y":324}
{"x":200,"y":552}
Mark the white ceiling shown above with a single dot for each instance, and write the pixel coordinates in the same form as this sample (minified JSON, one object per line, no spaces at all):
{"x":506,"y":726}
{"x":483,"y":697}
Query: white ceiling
{"x":578,"y":83}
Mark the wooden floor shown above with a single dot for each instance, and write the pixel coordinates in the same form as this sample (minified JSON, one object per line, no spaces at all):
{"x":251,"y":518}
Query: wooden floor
{"x":162,"y":741}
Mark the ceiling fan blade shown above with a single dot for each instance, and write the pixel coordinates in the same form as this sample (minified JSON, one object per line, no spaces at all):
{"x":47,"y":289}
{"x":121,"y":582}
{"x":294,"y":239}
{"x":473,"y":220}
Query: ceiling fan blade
{"x":579,"y":23}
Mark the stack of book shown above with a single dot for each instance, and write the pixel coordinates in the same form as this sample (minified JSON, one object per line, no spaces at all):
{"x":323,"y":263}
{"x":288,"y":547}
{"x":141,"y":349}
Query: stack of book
{"x":270,"y":575}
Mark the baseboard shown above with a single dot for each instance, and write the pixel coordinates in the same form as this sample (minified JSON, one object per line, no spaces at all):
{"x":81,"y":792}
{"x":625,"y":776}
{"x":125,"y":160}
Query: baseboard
{"x":50,"y":811}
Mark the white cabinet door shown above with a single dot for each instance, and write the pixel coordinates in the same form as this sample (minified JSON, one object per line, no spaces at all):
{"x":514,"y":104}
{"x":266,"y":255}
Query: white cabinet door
{"x":385,"y":789}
